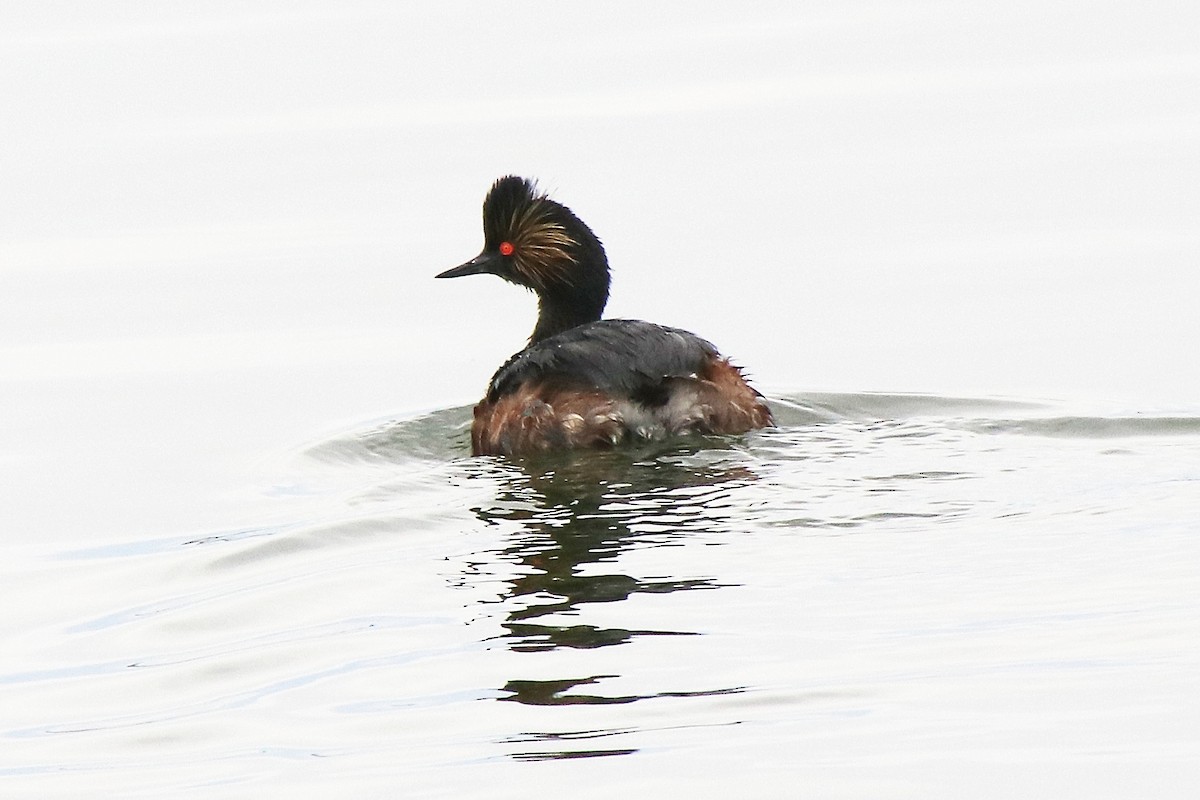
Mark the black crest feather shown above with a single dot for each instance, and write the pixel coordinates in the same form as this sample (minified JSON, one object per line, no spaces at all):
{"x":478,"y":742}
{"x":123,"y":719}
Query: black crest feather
{"x":553,"y":253}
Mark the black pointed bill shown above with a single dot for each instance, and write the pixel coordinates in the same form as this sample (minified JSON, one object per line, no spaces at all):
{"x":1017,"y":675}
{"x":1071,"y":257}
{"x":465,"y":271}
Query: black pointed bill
{"x":480,"y":264}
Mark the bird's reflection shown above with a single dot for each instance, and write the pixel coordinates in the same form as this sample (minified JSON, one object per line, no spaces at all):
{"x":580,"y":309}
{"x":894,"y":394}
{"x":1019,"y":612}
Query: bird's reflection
{"x":574,"y":513}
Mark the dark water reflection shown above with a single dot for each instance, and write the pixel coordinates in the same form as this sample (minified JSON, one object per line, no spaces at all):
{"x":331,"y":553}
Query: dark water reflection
{"x":575,"y":515}
{"x":854,"y":504}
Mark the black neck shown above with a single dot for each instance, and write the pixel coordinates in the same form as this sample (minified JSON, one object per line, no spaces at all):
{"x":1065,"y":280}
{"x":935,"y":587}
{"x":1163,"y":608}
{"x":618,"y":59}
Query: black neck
{"x":557,"y":314}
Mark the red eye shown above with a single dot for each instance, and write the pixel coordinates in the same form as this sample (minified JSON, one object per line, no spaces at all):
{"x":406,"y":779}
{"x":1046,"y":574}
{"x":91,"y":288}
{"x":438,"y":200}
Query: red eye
{"x":506,"y":248}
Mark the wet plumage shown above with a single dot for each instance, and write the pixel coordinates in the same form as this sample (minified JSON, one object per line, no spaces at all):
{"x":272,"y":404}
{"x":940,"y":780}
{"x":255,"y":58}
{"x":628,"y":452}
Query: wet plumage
{"x":583,"y":381}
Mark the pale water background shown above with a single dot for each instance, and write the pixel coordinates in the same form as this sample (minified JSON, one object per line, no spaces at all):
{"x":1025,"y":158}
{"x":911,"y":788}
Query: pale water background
{"x":244,"y":549}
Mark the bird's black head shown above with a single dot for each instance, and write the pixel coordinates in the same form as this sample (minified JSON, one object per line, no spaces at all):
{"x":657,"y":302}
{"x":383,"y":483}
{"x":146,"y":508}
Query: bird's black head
{"x":533,"y":241}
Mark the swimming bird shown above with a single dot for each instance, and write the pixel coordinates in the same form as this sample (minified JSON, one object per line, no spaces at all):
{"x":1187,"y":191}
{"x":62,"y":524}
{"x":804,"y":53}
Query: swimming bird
{"x":583,"y":381}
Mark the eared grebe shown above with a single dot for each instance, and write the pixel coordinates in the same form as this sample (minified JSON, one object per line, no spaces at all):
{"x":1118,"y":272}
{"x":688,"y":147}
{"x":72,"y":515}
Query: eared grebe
{"x":583,"y":381}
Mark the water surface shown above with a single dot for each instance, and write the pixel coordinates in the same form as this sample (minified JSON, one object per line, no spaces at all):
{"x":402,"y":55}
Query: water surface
{"x":245,"y":552}
{"x":880,"y":587}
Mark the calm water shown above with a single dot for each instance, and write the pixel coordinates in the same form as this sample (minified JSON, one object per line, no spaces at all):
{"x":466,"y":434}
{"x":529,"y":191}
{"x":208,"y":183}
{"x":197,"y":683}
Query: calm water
{"x":243,"y":551}
{"x":896,"y":594}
